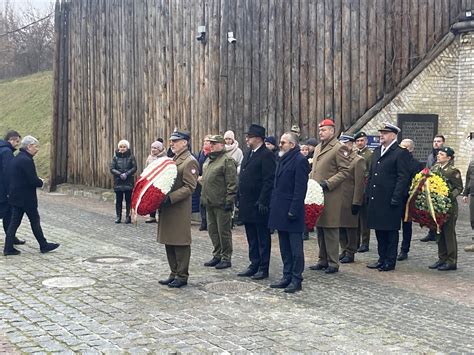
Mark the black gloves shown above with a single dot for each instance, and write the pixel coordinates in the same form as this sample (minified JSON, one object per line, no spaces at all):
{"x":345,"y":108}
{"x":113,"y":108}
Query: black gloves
{"x":291,"y":216}
{"x":355,"y":209}
{"x":228,"y":207}
{"x":394,"y":202}
{"x":324,"y":185}
{"x":166,"y":202}
{"x":262,"y":209}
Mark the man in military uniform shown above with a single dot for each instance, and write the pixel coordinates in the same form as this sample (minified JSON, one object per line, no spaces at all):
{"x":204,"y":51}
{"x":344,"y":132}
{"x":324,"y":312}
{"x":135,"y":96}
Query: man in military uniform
{"x":330,"y":169}
{"x":468,"y":196}
{"x":174,"y":224}
{"x":219,"y":188}
{"x":352,"y":196}
{"x":447,"y":244}
{"x":363,"y":233}
{"x":386,"y":191}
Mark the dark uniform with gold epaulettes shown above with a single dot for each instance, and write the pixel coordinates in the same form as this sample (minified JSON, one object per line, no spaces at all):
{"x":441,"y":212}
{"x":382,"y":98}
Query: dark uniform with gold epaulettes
{"x":447,"y":244}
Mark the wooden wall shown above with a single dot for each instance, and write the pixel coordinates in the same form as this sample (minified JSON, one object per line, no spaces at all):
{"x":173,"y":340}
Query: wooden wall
{"x":133,"y":68}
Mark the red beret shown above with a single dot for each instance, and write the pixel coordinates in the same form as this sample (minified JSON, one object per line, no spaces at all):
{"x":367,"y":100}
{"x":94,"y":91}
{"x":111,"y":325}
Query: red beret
{"x":327,"y":122}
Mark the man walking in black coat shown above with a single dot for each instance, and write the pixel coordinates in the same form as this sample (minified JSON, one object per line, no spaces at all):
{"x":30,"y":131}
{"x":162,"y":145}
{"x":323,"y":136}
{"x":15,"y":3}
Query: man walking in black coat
{"x":22,"y":196}
{"x":386,"y":190}
{"x":7,"y":147}
{"x":255,"y":188}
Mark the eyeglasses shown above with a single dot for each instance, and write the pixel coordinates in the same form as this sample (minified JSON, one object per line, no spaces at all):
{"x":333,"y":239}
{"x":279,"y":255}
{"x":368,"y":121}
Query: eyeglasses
{"x":283,"y":142}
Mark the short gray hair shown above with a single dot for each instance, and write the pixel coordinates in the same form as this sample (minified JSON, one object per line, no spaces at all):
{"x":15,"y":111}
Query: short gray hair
{"x":27,"y":140}
{"x":292,"y":137}
{"x":410,"y":145}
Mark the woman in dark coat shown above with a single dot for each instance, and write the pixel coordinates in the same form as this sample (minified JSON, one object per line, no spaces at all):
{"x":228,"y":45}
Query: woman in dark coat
{"x":123,"y":167}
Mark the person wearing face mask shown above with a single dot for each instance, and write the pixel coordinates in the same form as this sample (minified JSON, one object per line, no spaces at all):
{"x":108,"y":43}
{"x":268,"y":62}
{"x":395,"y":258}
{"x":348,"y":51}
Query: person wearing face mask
{"x":123,"y":167}
{"x":174,"y":222}
{"x":447,"y":244}
{"x":22,"y":196}
{"x":157,"y":151}
{"x":7,"y":147}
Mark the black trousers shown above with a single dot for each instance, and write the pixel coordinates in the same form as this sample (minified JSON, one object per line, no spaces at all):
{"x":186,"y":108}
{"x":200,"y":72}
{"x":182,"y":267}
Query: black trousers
{"x":258,"y":237}
{"x":292,"y":255}
{"x":387,"y":246}
{"x":17,"y":216}
{"x":5,"y":215}
{"x":406,"y":236}
{"x":119,"y":201}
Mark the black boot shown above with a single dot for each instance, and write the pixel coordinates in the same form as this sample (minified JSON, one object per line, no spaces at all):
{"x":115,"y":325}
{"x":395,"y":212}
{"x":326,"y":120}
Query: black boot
{"x":118,"y":213}
{"x":128,"y":219}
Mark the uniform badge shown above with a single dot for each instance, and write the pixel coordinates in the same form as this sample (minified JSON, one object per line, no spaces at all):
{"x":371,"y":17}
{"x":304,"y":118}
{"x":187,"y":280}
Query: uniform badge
{"x":345,"y":154}
{"x":193,"y":171}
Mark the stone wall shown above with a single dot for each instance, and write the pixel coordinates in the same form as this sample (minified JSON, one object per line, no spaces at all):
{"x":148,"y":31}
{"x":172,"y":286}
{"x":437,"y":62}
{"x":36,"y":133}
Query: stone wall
{"x":444,"y":88}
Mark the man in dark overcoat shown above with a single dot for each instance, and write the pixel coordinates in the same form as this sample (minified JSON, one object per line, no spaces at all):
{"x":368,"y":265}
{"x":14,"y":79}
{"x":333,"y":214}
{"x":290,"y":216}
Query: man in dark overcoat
{"x":287,"y":211}
{"x":387,"y":187}
{"x":174,"y":223}
{"x":22,"y":196}
{"x":255,"y":188}
{"x":7,"y":147}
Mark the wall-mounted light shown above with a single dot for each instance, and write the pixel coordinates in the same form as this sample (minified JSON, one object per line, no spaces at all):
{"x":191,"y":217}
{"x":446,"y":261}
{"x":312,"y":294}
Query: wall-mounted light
{"x":201,"y":34}
{"x":231,"y":38}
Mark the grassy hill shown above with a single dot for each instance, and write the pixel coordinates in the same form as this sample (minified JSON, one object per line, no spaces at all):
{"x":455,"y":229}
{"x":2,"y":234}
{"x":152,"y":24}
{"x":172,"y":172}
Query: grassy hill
{"x":26,"y":106}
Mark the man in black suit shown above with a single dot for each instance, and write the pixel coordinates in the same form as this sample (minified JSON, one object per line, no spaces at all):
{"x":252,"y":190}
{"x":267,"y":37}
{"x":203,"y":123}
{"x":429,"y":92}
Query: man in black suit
{"x":255,"y":188}
{"x":22,"y":196}
{"x":386,"y":190}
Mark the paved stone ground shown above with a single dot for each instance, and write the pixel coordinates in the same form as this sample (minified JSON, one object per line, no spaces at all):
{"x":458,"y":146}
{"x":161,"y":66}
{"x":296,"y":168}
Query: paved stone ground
{"x":126,"y":311}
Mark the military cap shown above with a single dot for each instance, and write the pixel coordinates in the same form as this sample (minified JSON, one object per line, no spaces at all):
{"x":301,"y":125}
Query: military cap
{"x":177,"y":135}
{"x":448,"y":150}
{"x":217,"y":138}
{"x":295,"y":129}
{"x":388,"y":127}
{"x":327,"y":122}
{"x":344,"y":138}
{"x":360,"y":134}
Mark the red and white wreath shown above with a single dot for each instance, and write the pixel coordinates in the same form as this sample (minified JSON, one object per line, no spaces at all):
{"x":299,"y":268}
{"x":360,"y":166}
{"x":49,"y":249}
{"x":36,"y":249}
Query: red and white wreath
{"x":313,"y":204}
{"x":155,"y":182}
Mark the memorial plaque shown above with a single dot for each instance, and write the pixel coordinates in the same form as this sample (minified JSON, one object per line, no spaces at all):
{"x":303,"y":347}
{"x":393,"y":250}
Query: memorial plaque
{"x":421,"y":129}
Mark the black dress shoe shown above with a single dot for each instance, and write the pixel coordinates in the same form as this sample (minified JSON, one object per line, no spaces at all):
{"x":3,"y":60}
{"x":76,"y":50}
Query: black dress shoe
{"x":386,"y":267}
{"x":283,"y":283}
{"x":247,"y":273}
{"x":49,"y":247}
{"x":363,"y":248}
{"x":118,"y":220}
{"x":260,"y":275}
{"x":436,"y":265}
{"x":293,"y":287}
{"x":428,"y":238}
{"x":223,"y":264}
{"x":318,"y":267}
{"x":128,"y":220}
{"x":447,"y":267}
{"x":347,"y":259}
{"x":203,"y":227}
{"x":341,"y":256}
{"x":331,"y":270}
{"x":177,"y":283}
{"x":11,"y":252}
{"x":375,"y":265}
{"x":402,"y":256}
{"x":17,"y":241}
{"x":213,"y":262}
{"x":166,"y":281}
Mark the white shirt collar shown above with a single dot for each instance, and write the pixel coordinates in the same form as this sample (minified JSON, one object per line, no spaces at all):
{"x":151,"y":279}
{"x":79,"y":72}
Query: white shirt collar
{"x":385,"y":149}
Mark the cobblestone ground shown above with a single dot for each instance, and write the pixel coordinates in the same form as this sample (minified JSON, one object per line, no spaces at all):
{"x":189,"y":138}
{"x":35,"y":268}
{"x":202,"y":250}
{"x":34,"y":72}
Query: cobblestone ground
{"x":126,"y":311}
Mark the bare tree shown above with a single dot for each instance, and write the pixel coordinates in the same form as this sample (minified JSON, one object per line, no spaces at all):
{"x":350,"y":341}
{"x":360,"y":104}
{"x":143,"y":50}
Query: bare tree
{"x":26,"y":41}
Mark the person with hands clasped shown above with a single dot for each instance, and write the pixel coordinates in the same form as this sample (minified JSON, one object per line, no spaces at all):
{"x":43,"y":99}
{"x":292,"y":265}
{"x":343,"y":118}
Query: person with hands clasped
{"x":219,"y":188}
{"x":123,"y":167}
{"x":287,"y":211}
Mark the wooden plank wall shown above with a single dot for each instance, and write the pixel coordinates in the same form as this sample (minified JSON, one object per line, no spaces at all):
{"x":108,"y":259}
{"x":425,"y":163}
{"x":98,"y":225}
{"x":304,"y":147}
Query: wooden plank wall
{"x":133,"y":69}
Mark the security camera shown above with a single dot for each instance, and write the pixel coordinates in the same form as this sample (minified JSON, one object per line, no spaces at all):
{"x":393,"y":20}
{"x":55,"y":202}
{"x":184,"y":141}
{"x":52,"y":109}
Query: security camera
{"x":201,"y":33}
{"x":231,"y":38}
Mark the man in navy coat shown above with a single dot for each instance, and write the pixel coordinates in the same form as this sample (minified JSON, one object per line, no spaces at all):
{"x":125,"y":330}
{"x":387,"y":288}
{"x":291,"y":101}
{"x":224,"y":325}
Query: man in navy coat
{"x":257,"y":172}
{"x":387,"y":187}
{"x":22,"y":196}
{"x":287,"y":210}
{"x":7,"y":146}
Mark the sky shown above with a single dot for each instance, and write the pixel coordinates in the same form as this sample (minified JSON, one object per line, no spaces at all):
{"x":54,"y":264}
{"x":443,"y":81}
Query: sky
{"x":41,"y":5}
